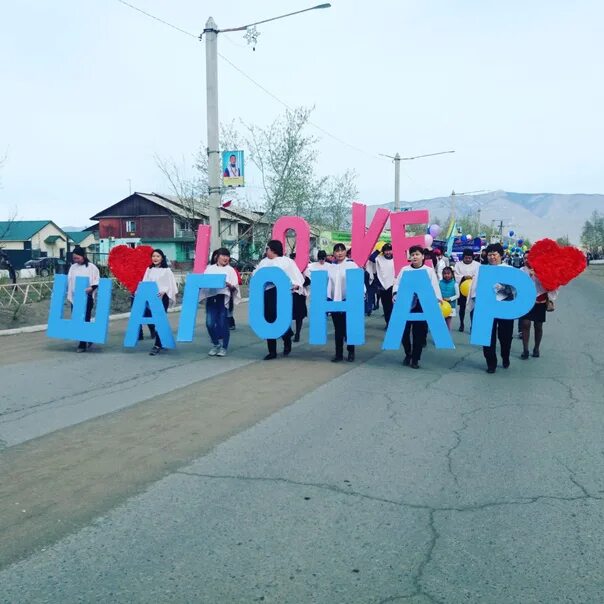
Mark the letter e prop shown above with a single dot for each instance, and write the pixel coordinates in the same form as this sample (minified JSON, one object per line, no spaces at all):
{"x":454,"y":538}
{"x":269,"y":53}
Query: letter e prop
{"x":400,"y":242}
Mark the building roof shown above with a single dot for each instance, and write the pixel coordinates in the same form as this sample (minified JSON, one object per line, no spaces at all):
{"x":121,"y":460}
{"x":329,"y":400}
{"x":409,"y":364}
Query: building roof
{"x":78,"y":236}
{"x":201,"y":211}
{"x":21,"y":230}
{"x":51,"y":239}
{"x":149,"y":240}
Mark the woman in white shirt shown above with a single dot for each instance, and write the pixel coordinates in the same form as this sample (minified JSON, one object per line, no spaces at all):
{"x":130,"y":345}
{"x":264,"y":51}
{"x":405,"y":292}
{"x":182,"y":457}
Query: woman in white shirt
{"x":337,"y":293}
{"x":414,"y":336}
{"x":503,"y":329}
{"x":218,"y":301}
{"x":159,"y":273}
{"x":275,"y":257}
{"x":82,"y":267}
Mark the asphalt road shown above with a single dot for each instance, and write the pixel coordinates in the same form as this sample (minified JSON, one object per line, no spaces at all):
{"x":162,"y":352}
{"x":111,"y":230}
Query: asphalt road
{"x":181,"y":478}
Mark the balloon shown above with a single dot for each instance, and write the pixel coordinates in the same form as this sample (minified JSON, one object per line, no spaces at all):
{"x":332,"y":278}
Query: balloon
{"x":445,"y":308}
{"x":428,"y":239}
{"x":505,"y":246}
{"x":520,"y":241}
{"x":435,"y":230}
{"x":468,"y":237}
{"x":524,"y":248}
{"x":511,"y":233}
{"x":464,"y":288}
{"x":463,"y":238}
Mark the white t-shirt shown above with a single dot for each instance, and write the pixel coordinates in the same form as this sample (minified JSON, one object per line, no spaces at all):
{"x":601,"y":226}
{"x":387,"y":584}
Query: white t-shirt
{"x":231,"y":277}
{"x":336,"y":289}
{"x":384,"y":269}
{"x":81,"y":270}
{"x":288,"y":266}
{"x":431,"y":275}
{"x":315,"y":266}
{"x":166,"y":283}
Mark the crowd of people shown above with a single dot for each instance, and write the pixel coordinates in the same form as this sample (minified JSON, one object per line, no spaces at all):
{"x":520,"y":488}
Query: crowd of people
{"x":454,"y":285}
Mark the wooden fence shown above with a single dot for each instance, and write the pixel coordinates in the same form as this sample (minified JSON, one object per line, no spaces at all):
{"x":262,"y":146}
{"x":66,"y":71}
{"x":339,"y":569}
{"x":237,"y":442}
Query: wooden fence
{"x":16,"y":294}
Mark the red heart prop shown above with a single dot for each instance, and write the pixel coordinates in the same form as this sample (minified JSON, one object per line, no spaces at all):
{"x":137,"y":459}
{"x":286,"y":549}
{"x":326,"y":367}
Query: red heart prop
{"x":555,"y":265}
{"x":129,"y":264}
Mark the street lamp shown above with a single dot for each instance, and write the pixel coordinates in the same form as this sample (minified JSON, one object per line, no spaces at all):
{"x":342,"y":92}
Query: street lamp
{"x":397,"y":173}
{"x":211,"y":32}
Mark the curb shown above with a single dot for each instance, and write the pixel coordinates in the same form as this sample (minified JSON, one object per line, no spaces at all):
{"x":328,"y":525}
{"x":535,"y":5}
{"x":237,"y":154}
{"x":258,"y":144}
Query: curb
{"x":38,"y":328}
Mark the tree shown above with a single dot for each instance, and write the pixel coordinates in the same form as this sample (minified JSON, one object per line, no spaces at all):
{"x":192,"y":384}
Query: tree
{"x":286,"y":158}
{"x":190,"y":192}
{"x":338,"y":193}
{"x":592,"y":235}
{"x":563,"y":241}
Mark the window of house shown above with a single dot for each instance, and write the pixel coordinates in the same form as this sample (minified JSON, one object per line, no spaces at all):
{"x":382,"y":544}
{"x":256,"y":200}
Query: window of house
{"x":130,"y":226}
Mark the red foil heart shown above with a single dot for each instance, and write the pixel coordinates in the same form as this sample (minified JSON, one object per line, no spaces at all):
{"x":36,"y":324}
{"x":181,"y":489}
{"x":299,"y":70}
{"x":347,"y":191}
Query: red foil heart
{"x":555,"y":265}
{"x":128,"y":264}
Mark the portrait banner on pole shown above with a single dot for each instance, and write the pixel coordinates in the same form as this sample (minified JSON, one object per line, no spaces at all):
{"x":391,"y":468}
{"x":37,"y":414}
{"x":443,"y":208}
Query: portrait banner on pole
{"x":232,"y":168}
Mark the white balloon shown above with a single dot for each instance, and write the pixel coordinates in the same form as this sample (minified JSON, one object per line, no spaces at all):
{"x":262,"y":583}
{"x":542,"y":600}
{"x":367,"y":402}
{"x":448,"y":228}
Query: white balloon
{"x":428,"y":239}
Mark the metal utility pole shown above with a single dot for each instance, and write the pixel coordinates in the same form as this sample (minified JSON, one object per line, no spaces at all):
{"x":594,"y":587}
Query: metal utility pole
{"x":214,"y":177}
{"x":397,"y":173}
{"x":211,"y":32}
{"x":397,"y":182}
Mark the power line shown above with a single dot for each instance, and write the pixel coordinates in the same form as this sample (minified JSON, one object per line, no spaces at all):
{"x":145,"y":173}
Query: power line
{"x":140,"y":10}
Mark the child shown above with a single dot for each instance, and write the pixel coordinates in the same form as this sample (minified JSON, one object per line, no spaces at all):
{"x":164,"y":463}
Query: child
{"x":159,"y":272}
{"x":449,"y":291}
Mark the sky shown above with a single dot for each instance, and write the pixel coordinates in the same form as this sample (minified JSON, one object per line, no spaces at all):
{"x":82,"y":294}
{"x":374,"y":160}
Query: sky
{"x":93,"y":91}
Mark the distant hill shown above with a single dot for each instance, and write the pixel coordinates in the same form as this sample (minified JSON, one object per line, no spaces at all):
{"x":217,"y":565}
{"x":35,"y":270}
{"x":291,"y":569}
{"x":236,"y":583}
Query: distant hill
{"x":533,"y":215}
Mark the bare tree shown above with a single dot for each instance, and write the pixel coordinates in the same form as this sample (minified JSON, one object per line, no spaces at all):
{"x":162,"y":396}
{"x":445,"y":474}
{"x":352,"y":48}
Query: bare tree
{"x":189,"y":191}
{"x":285,"y":157}
{"x":338,"y":193}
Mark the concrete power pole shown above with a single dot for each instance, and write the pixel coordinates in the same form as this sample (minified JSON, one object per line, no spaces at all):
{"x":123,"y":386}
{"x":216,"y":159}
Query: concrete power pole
{"x":397,"y":182}
{"x":214,"y":174}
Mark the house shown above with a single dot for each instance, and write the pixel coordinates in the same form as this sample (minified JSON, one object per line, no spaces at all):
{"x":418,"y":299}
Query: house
{"x":86,"y":239}
{"x":22,"y":240}
{"x":166,"y":222}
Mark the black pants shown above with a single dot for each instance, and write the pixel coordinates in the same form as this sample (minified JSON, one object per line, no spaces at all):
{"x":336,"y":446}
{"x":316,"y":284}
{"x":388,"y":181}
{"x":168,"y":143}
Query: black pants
{"x":414,"y":339}
{"x":386,"y":298}
{"x":87,"y":317}
{"x":339,"y":324}
{"x":165,"y":301}
{"x":462,"y":309}
{"x":270,"y":315}
{"x":504,"y":330}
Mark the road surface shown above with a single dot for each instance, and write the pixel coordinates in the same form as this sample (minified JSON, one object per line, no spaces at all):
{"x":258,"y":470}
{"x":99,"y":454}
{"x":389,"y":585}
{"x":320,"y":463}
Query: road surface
{"x":183,"y":478}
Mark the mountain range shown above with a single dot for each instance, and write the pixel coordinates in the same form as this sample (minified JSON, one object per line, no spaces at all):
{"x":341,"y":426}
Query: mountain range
{"x":532,"y":215}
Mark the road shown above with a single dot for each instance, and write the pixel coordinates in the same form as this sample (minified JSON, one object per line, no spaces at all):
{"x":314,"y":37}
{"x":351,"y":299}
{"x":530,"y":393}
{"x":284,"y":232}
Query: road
{"x":183,"y":478}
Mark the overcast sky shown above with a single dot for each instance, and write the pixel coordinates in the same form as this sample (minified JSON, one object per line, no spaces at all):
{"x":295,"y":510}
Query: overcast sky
{"x":92,"y":90}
